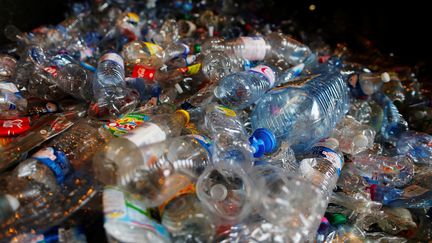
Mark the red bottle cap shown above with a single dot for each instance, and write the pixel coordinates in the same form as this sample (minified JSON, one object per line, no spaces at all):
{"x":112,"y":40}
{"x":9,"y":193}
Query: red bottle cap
{"x":13,"y":127}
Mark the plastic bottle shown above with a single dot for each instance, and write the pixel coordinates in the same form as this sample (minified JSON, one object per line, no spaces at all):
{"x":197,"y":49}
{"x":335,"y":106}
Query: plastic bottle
{"x":372,"y":82}
{"x":242,"y":89}
{"x":185,"y":218}
{"x":75,"y":81}
{"x":111,"y":97}
{"x":353,"y":137}
{"x":283,"y":158}
{"x":217,"y":64}
{"x":393,"y":123}
{"x":260,"y":48}
{"x":151,"y":56}
{"x":288,"y":201}
{"x":416,"y":145}
{"x":39,"y":176}
{"x":158,"y":171}
{"x":303,"y":112}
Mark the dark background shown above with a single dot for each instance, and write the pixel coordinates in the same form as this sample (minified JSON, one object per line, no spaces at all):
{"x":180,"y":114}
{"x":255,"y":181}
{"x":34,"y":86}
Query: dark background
{"x":399,"y":27}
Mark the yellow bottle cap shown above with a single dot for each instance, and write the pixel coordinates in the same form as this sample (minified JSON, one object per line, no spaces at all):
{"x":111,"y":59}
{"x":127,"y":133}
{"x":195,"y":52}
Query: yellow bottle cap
{"x":185,"y":114}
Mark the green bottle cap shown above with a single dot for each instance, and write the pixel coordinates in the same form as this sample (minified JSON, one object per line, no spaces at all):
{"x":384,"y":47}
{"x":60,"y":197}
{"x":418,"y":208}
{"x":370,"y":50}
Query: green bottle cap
{"x":197,"y":48}
{"x":337,"y":219}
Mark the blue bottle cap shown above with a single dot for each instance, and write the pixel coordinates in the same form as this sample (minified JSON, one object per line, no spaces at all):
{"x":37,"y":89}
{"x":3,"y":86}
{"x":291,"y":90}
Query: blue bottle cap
{"x":263,"y":140}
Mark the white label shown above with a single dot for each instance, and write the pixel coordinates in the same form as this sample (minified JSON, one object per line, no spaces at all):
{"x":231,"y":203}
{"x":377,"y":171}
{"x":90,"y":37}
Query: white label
{"x":118,"y":207}
{"x":11,"y":87}
{"x":113,"y":57}
{"x":190,"y":59}
{"x":266,"y":71}
{"x":148,"y":133}
{"x":254,"y":48}
{"x":113,"y":203}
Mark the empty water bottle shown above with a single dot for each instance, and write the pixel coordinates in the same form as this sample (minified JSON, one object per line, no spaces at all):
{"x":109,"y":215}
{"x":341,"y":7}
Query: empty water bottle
{"x":303,"y":112}
{"x":242,"y":89}
{"x":7,"y":67}
{"x":111,"y":96}
{"x":260,"y":48}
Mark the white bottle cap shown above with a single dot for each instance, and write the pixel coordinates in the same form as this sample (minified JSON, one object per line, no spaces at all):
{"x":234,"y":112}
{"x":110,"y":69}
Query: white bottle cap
{"x":360,"y":141}
{"x":218,"y":192}
{"x":385,"y":77}
{"x":13,"y":202}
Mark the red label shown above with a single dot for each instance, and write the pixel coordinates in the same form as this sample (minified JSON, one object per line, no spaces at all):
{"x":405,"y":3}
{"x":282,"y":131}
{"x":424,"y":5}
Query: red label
{"x":142,"y":72}
{"x":14,"y":127}
{"x":52,"y":70}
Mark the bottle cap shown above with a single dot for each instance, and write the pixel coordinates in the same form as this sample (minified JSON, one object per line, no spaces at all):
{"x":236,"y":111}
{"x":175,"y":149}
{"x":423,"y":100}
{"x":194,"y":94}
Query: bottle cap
{"x":185,"y":114}
{"x":337,"y":219}
{"x":197,"y":48}
{"x":263,"y":140}
{"x":385,"y":77}
{"x":218,"y":192}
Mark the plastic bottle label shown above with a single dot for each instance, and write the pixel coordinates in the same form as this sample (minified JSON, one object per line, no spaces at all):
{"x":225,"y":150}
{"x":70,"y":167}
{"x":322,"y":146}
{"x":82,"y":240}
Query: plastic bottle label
{"x":125,"y":124}
{"x":254,"y":48}
{"x":191,"y":70}
{"x":330,"y":155}
{"x":114,"y":57}
{"x":226,"y":111}
{"x":266,"y":71}
{"x":56,"y":160}
{"x":53,"y":70}
{"x":13,"y":127}
{"x":118,"y":207}
{"x":148,"y":133}
{"x":11,"y":87}
{"x":152,"y":48}
{"x":142,"y":72}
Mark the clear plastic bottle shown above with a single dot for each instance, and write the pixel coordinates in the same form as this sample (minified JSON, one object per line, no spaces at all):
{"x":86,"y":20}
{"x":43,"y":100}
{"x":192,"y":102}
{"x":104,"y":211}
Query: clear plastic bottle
{"x":75,"y":81}
{"x":303,"y":112}
{"x":260,"y":48}
{"x":155,"y":172}
{"x":322,"y":165}
{"x":242,"y":89}
{"x":416,"y":145}
{"x":288,"y":201}
{"x":111,"y":96}
{"x":37,"y":177}
{"x":150,"y":55}
{"x":372,"y":82}
{"x":217,"y":64}
{"x":186,"y":219}
{"x":353,"y":137}
{"x":393,"y":123}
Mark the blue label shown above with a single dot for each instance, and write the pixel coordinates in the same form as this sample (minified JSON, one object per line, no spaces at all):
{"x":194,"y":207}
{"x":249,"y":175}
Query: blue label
{"x":56,"y":160}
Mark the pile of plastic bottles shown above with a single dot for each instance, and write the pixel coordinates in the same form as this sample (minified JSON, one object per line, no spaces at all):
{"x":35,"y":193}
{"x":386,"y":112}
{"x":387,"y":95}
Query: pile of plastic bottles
{"x":191,"y":121}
